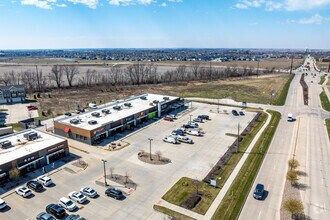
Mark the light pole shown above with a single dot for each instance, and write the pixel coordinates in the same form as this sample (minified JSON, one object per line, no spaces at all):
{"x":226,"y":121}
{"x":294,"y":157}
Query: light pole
{"x":190,"y":118}
{"x":237,"y":137}
{"x":105,"y":175}
{"x":150,"y":139}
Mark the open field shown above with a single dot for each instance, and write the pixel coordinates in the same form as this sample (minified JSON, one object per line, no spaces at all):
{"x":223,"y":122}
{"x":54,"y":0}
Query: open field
{"x":257,"y":90}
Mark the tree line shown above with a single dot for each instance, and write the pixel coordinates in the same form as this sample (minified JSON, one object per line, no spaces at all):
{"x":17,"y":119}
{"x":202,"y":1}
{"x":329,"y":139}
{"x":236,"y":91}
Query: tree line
{"x":61,"y":76}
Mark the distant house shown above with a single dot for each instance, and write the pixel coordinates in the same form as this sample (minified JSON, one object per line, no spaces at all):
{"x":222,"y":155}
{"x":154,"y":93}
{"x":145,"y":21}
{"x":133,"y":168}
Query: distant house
{"x":12,"y":94}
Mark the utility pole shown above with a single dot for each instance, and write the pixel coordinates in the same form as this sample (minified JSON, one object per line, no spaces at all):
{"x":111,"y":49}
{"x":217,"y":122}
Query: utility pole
{"x":105,"y":175}
{"x":291,"y":65}
{"x":150,"y":139}
{"x":258,"y":68}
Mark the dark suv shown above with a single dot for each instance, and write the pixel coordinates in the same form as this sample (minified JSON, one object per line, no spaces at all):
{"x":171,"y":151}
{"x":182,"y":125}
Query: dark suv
{"x":35,"y":186}
{"x":205,"y":117}
{"x":259,"y":192}
{"x":55,"y":210}
{"x":114,"y":193}
{"x":234,"y":112}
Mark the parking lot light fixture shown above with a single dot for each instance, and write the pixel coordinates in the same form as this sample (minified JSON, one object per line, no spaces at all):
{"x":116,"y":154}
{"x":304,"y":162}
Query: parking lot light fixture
{"x":150,"y":139}
{"x":105,"y":175}
{"x":190,"y":118}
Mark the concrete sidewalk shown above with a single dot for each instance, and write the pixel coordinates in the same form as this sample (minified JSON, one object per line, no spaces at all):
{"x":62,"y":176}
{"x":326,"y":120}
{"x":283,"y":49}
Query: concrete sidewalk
{"x":225,"y":188}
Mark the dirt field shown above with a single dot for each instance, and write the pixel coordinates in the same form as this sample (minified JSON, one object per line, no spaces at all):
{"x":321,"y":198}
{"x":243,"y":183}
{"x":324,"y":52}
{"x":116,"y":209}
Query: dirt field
{"x":251,"y":90}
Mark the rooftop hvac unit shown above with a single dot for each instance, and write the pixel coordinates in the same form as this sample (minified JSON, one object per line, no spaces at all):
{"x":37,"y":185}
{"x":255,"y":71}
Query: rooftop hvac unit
{"x":96,"y":114}
{"x":151,"y":103}
{"x":92,"y":122}
{"x":106,"y":111}
{"x":166,"y":98}
{"x":5,"y":144}
{"x":117,"y":107}
{"x":155,"y":101}
{"x":128,"y":104}
{"x":74,"y":121}
{"x":31,"y":136}
{"x":143,"y":97}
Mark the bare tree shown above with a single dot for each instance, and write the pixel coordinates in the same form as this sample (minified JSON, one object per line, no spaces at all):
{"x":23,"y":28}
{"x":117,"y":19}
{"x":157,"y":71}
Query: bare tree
{"x":70,"y":73}
{"x":158,"y":154}
{"x":14,"y":174}
{"x":127,"y":176}
{"x":194,"y":68}
{"x":111,"y":171}
{"x":57,"y":75}
{"x":196,"y":184}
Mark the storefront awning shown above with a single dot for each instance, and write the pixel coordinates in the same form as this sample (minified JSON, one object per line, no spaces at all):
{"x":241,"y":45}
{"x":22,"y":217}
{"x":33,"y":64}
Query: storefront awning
{"x":25,"y":165}
{"x":67,"y":130}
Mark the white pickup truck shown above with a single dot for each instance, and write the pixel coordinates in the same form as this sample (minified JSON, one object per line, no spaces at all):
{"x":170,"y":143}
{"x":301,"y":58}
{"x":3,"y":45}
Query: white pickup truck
{"x":291,"y":117}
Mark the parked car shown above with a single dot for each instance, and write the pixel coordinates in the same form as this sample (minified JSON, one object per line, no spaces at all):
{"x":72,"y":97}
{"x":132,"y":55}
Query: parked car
{"x":78,"y":197}
{"x":185,"y":139}
{"x":194,"y":132}
{"x":92,"y":105}
{"x":205,"y":117}
{"x":172,"y":116}
{"x":74,"y":217}
{"x":199,"y":120}
{"x":67,"y":204}
{"x":80,"y":110}
{"x":87,"y":191}
{"x":56,"y":210}
{"x":114,"y":193}
{"x":234,"y":112}
{"x":241,"y":113}
{"x":170,"y":139}
{"x":167,"y":118}
{"x":32,"y":107}
{"x":3,"y":204}
{"x":259,"y":191}
{"x":35,"y":186}
{"x":190,"y":125}
{"x":45,"y":216}
{"x":68,"y":113}
{"x":178,"y":132}
{"x":45,"y":180}
{"x":23,"y":191}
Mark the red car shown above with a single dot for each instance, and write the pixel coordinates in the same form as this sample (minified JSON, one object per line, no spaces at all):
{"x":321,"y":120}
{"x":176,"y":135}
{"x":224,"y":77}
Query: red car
{"x":31,"y":107}
{"x":167,"y":118}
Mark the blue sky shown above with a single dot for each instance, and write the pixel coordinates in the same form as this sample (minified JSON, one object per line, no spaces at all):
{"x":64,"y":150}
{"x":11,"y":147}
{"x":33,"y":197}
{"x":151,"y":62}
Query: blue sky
{"x":38,"y":24}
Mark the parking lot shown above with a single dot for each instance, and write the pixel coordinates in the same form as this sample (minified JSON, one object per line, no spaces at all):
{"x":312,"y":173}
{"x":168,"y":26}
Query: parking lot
{"x":190,"y":160}
{"x":18,"y":112}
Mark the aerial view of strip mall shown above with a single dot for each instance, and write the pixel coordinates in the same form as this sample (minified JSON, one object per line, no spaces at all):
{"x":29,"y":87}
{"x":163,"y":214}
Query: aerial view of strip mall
{"x":164,"y":110}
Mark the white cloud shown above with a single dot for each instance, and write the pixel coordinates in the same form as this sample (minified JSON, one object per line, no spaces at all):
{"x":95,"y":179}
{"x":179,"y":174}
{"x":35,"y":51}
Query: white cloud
{"x":89,"y":3}
{"x":163,"y":4}
{"x":131,"y":2}
{"x":44,"y":4}
{"x":294,"y":5}
{"x":289,"y":5}
{"x":315,"y":19}
{"x":61,"y":5}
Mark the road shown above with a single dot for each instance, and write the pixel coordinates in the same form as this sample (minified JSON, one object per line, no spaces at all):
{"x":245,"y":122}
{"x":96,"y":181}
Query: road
{"x":308,"y":136}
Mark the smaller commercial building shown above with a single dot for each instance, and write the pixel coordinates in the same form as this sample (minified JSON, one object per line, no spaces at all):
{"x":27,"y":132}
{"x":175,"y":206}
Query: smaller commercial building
{"x":98,"y":124}
{"x":29,"y":150}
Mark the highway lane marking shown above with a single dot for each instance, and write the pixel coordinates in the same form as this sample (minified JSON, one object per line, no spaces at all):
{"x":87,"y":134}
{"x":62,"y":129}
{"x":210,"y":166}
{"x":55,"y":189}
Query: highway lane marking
{"x":259,"y":215}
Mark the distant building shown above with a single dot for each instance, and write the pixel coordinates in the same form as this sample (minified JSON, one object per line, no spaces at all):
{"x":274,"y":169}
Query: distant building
{"x":12,"y":94}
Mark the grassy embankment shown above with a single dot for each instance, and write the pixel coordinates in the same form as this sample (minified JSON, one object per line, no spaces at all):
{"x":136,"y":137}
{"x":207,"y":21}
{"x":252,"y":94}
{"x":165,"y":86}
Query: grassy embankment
{"x":322,"y":80}
{"x":325,"y":101}
{"x":235,"y":197}
{"x":186,"y":186}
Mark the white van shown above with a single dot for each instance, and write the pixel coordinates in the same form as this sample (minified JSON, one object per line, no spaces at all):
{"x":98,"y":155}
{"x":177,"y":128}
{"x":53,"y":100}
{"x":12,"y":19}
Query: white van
{"x":92,"y":105}
{"x":194,"y":132}
{"x":291,"y":117}
{"x":171,"y":139}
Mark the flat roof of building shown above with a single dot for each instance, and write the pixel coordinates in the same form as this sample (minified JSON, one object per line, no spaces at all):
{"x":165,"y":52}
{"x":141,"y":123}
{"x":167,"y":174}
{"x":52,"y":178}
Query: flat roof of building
{"x":22,"y":147}
{"x":137,"y":105}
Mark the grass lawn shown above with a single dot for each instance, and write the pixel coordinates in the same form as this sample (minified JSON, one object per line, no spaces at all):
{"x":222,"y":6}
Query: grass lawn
{"x":325,"y":101}
{"x":327,"y":122}
{"x":235,"y":197}
{"x":15,"y":126}
{"x":280,"y":100}
{"x":322,"y":80}
{"x":184,"y":187}
{"x":172,"y":213}
{"x":256,"y":90}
